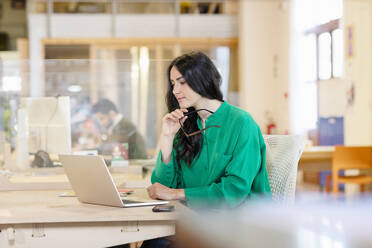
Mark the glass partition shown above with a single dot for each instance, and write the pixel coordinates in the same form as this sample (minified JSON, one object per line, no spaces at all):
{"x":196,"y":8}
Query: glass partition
{"x":113,"y":104}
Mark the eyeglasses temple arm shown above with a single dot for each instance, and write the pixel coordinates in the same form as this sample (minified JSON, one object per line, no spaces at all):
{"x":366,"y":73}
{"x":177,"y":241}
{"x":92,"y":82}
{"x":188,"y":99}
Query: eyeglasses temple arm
{"x":199,"y":131}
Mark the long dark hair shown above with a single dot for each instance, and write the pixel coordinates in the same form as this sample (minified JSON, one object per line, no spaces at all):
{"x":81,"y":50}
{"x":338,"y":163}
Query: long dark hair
{"x":202,"y":76}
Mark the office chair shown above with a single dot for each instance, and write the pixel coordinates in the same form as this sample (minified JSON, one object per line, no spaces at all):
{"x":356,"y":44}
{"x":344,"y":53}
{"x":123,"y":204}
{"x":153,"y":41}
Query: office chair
{"x":351,"y":157}
{"x":282,"y":155}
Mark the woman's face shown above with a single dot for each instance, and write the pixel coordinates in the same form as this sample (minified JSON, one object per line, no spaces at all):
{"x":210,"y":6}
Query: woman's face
{"x":186,"y":97}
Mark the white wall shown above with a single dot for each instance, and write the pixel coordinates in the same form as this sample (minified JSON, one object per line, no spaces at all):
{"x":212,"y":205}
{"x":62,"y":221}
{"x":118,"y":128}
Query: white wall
{"x":13,"y":22}
{"x":332,"y":98}
{"x":280,"y":67}
{"x":36,"y":33}
{"x":80,"y":25}
{"x":358,"y":118}
{"x":208,"y":25}
{"x":263,"y":60}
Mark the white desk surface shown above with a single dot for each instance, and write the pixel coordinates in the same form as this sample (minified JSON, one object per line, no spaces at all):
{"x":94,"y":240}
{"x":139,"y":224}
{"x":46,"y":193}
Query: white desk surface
{"x":43,"y":219}
{"x":48,"y":207}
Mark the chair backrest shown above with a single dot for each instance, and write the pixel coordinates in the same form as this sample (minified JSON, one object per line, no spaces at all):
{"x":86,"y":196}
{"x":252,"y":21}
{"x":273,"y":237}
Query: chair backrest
{"x":282,"y":155}
{"x":352,"y":157}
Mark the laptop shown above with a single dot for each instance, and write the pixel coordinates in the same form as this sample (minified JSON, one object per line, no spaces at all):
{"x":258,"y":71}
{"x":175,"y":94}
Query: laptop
{"x":92,"y":182}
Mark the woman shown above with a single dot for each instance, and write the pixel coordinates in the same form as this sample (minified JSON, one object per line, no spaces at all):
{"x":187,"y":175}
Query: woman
{"x":212,"y":153}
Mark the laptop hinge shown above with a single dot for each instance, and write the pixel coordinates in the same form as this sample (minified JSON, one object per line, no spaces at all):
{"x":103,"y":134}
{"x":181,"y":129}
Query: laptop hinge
{"x":130,"y":226}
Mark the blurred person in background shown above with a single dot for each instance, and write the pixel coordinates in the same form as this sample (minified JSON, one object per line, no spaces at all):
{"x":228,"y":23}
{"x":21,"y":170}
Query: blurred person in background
{"x":117,"y":130}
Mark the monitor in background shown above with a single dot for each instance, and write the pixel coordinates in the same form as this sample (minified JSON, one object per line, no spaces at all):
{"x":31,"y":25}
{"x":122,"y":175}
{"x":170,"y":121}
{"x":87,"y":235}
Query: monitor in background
{"x":49,"y":123}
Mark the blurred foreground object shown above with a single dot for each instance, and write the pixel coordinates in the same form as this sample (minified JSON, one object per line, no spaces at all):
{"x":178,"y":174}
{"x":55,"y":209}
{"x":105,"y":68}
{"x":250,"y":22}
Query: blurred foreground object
{"x":316,"y":221}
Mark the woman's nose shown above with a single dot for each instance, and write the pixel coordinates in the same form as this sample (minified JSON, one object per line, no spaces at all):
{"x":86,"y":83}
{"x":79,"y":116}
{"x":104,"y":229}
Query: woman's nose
{"x":176,"y":89}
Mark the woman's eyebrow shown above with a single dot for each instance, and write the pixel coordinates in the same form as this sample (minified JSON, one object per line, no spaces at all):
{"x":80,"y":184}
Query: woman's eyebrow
{"x":177,"y":79}
{"x":181,"y":77}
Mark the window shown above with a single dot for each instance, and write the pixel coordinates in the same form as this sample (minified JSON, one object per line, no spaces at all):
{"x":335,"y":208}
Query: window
{"x":337,"y":53}
{"x":324,"y":56}
{"x":329,"y":47}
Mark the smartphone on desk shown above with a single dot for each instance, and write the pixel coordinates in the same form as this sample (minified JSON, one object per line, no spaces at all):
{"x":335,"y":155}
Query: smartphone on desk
{"x":163,"y":208}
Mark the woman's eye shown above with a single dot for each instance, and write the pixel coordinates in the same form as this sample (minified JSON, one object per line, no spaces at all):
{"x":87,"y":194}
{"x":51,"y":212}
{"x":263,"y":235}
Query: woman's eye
{"x":182,"y":82}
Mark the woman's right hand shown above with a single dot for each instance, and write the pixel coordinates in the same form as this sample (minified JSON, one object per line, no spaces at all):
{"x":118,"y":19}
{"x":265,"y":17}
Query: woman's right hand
{"x":171,"y":123}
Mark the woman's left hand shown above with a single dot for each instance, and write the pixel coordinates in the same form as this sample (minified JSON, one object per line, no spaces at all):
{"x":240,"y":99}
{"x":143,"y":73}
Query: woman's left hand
{"x":159,"y":191}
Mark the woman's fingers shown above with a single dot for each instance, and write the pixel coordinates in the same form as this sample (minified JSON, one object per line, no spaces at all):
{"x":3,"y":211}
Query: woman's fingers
{"x":154,"y":191}
{"x":169,"y":116}
{"x":150,"y":191}
{"x":177,"y":114}
{"x":181,"y":112}
{"x":183,"y":119}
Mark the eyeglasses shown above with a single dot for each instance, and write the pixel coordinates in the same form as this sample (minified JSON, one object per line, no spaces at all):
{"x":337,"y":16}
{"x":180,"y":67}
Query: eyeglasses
{"x":199,"y":131}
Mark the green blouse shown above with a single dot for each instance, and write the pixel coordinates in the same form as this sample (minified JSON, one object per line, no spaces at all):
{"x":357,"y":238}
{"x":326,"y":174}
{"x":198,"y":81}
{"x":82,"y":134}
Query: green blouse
{"x":230,"y":167}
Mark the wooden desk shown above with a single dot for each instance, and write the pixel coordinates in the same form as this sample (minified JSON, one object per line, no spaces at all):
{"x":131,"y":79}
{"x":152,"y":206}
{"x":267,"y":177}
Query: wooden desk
{"x":317,"y":153}
{"x":314,"y":160}
{"x":319,"y":158}
{"x":42,"y":219}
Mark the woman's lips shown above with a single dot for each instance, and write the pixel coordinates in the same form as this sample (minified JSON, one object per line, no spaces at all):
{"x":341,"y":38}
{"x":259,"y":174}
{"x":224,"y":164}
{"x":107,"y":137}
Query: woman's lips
{"x":180,"y":99}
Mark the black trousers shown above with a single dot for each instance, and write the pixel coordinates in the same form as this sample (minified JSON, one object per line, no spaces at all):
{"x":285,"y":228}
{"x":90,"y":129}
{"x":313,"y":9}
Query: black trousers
{"x":157,"y":243}
{"x":152,"y":243}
